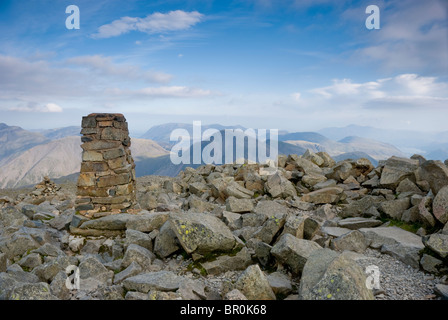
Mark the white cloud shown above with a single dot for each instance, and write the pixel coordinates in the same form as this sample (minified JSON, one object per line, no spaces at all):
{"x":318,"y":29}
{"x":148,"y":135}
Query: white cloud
{"x":153,"y":23}
{"x":346,"y":88}
{"x":164,"y":92}
{"x":413,"y":36}
{"x":403,"y":85}
{"x":105,"y":66}
{"x":35,"y":107}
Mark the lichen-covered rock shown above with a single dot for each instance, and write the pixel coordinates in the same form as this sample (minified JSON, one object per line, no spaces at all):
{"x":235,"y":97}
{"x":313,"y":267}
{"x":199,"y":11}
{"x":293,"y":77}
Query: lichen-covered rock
{"x":32,"y":291}
{"x":438,"y":243}
{"x":201,"y":233}
{"x":328,"y":275}
{"x":254,"y":284}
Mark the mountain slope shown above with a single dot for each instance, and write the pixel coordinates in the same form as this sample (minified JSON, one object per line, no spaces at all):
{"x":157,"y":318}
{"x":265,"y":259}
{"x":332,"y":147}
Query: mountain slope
{"x":161,"y":133}
{"x":60,"y":158}
{"x":54,"y":159}
{"x":60,"y":133}
{"x":15,"y":139}
{"x":376,"y":149}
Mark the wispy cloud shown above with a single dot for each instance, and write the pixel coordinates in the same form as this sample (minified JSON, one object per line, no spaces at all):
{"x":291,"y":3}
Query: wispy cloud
{"x":412,"y":33}
{"x":403,"y":88}
{"x":164,"y":92}
{"x":153,"y":23}
{"x":106,"y":67}
{"x":35,"y":107}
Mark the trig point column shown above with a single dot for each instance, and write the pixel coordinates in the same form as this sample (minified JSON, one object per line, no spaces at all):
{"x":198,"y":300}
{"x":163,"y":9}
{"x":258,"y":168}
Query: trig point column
{"x":106,"y":184}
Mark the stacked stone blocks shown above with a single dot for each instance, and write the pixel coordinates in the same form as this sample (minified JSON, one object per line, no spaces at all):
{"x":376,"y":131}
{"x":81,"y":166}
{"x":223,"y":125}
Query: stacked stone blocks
{"x":107,"y":183}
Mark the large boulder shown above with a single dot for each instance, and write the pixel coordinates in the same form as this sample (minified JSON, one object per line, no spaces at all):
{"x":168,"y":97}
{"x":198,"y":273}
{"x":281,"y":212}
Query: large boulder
{"x":234,"y":189}
{"x":166,"y":241}
{"x":435,"y":173}
{"x":225,"y":263}
{"x":160,"y":280}
{"x":402,"y":244}
{"x":201,"y":233}
{"x":254,"y":284}
{"x":351,"y":241}
{"x":147,"y":222}
{"x":239,"y":205}
{"x":397,"y":169}
{"x":111,"y":222}
{"x":278,"y":186}
{"x":438,"y":243}
{"x":32,"y":291}
{"x":341,"y":171}
{"x":326,"y":195}
{"x":293,"y":252}
{"x":306,"y":166}
{"x":424,"y":212}
{"x":440,"y":205}
{"x":314,"y":158}
{"x":328,"y":275}
{"x":360,"y":207}
{"x":395,"y":208}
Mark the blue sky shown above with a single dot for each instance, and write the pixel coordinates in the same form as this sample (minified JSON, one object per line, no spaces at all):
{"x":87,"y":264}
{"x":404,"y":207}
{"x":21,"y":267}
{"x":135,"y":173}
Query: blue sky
{"x":285,"y":64}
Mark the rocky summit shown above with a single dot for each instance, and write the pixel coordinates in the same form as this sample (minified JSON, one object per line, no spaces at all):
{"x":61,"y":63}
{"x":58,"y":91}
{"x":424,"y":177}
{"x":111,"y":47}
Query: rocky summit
{"x":313,"y":228}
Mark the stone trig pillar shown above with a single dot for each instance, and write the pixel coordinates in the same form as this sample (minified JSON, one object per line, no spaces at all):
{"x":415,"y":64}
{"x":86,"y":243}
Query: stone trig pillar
{"x":106,"y":184}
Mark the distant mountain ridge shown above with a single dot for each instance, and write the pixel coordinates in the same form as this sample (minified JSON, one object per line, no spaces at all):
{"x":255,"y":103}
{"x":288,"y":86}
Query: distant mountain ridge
{"x":161,"y":133}
{"x":59,"y":158}
{"x":431,"y":145}
{"x":28,"y":156}
{"x":14,"y":139}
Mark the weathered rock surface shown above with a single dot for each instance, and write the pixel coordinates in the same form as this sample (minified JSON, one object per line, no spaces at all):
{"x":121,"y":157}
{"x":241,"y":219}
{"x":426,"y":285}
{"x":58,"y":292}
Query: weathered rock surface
{"x":201,"y":233}
{"x":328,"y":275}
{"x":293,"y":252}
{"x":254,"y":284}
{"x":402,"y":244}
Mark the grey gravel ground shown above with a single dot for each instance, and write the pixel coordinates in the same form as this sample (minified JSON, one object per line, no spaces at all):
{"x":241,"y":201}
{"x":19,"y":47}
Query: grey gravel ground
{"x":399,"y":281}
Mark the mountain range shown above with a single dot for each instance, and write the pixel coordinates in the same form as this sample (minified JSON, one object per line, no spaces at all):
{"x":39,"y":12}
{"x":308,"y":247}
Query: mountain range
{"x":432,"y":145}
{"x":27,"y":156}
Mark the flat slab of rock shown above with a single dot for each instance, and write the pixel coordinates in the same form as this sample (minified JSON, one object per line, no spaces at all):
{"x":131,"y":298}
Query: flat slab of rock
{"x":201,"y":233}
{"x":326,"y":195}
{"x":402,"y":244}
{"x":161,"y":280}
{"x":358,"y":223}
{"x":111,"y":222}
{"x":335,"y":231}
{"x":147,"y":222}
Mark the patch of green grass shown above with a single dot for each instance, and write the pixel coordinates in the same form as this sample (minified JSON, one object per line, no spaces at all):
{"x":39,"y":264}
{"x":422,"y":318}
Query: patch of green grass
{"x":411,"y":227}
